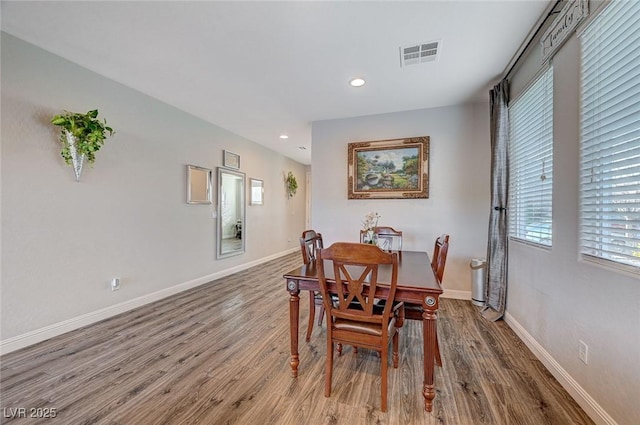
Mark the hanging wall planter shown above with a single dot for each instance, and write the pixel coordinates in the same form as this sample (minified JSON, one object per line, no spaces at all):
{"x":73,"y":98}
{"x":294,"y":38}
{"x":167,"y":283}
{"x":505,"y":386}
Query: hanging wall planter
{"x":77,"y":160}
{"x":82,"y":136}
{"x":292,"y":184}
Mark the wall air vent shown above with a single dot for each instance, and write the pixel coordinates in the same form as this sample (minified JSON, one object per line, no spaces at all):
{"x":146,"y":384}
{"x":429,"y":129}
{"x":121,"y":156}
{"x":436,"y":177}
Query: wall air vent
{"x":420,"y":53}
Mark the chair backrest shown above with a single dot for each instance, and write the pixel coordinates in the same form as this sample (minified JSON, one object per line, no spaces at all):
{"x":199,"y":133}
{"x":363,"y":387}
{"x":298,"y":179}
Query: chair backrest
{"x":355,"y":272}
{"x":388,"y":238}
{"x":310,"y":242}
{"x":439,"y":258}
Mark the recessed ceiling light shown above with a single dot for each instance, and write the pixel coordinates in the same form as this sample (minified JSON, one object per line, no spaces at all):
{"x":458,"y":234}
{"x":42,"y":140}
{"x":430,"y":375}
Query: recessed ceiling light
{"x":357,"y":82}
{"x":284,"y":136}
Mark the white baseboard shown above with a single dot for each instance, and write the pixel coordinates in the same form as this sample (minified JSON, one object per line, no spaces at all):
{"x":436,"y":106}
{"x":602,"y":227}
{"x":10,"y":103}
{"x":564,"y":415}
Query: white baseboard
{"x":588,"y":404}
{"x":456,"y":294}
{"x":42,"y":334}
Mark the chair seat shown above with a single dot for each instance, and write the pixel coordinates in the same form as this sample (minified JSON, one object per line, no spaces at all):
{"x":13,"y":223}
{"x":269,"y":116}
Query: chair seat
{"x":374,"y":329}
{"x":379,"y":305}
{"x":413,"y":307}
{"x":413,"y":311}
{"x":318,"y":296}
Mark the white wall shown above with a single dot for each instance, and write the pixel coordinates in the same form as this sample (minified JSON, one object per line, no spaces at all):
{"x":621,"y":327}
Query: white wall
{"x":63,"y":241}
{"x":458,"y":201}
{"x":559,"y":299}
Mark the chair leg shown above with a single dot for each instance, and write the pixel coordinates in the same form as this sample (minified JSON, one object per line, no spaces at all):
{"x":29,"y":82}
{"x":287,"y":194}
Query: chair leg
{"x":383,"y":386}
{"x":339,"y":348}
{"x":321,"y":315}
{"x":328,"y":368}
{"x":395,"y":356}
{"x":312,"y":314}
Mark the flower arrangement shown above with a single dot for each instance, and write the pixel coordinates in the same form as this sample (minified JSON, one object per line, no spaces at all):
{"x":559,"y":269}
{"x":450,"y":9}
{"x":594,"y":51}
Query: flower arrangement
{"x":370,"y":221}
{"x":368,"y":225}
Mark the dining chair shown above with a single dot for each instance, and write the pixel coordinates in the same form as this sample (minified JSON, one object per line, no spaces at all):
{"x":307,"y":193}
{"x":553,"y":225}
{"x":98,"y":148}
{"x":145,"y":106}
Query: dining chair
{"x":440,"y":250}
{"x":387,"y":238}
{"x":438,"y":261}
{"x":310,"y":243}
{"x":355,"y":319}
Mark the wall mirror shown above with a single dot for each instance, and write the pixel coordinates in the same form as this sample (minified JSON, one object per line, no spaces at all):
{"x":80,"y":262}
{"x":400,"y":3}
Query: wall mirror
{"x":231,"y":199}
{"x":198,"y":185}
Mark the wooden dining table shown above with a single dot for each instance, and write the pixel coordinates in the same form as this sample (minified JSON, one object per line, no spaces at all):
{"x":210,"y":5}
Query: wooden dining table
{"x":417,"y":284}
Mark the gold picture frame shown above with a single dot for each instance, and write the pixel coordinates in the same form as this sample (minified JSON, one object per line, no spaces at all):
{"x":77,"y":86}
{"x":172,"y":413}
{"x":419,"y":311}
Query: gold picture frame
{"x":389,"y":169}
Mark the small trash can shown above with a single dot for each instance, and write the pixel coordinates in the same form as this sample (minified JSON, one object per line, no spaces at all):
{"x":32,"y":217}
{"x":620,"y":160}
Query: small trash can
{"x":478,"y":267}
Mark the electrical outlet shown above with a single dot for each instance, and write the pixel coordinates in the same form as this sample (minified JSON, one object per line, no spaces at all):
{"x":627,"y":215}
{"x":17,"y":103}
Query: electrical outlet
{"x":115,"y":283}
{"x":583,"y":354}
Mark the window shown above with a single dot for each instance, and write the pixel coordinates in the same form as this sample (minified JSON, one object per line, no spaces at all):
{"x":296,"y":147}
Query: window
{"x":531,"y":162}
{"x":610,"y":137}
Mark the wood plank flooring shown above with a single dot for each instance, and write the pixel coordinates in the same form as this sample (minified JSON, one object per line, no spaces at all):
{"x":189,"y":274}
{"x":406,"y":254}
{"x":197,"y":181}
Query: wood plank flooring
{"x":219,"y":354}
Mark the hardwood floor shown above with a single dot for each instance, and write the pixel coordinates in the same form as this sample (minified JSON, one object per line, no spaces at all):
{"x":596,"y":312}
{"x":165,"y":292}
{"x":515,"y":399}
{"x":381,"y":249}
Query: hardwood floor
{"x":219,"y":354}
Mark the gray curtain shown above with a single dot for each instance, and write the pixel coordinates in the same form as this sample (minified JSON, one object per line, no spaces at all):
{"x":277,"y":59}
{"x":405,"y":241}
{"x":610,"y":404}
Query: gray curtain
{"x":497,"y":246}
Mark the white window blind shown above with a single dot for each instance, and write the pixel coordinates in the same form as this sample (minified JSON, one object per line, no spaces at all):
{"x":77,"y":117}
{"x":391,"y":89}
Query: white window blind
{"x":610,"y":136}
{"x":531,"y":162}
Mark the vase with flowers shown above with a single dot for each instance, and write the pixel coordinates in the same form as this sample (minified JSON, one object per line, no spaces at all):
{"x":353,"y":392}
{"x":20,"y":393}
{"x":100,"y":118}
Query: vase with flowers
{"x":368,"y":226}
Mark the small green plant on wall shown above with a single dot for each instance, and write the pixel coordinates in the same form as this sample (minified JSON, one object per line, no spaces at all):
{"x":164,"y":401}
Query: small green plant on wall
{"x":82,"y":136}
{"x":292,"y":184}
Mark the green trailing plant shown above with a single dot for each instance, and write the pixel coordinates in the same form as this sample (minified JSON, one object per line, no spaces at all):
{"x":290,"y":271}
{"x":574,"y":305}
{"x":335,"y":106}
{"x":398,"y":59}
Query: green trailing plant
{"x":292,"y":184}
{"x":89,"y":132}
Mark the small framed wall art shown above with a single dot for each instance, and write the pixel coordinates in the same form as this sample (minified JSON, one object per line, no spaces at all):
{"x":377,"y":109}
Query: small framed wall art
{"x":231,"y":160}
{"x":198,"y":185}
{"x":257,"y":192}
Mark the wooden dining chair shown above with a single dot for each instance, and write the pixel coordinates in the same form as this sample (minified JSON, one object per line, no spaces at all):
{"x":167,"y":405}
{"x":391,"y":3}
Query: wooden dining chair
{"x":388,"y":238}
{"x":438,"y":261}
{"x":355,"y":319}
{"x":310,"y":243}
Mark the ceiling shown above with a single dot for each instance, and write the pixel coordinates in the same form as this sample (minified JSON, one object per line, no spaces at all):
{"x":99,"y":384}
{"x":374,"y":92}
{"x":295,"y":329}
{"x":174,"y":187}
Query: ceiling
{"x":262,"y":69}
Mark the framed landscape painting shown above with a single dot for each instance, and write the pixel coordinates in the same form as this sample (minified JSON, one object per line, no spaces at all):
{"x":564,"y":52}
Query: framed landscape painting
{"x":389,"y":169}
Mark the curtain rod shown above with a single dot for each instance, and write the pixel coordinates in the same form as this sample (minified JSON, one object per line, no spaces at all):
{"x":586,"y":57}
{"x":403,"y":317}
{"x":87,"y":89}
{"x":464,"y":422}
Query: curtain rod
{"x":530,"y":37}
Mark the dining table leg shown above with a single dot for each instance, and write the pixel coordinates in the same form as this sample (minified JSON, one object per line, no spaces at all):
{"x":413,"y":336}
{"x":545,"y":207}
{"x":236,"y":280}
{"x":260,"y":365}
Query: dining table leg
{"x":294,"y":323}
{"x":429,"y":317}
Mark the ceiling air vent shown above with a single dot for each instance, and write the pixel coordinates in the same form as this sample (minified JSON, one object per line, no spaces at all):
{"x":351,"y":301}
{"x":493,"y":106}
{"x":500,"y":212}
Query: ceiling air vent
{"x":419,"y":53}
